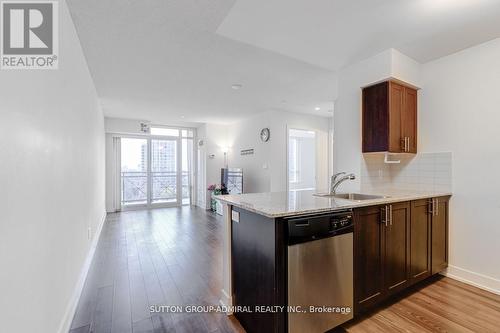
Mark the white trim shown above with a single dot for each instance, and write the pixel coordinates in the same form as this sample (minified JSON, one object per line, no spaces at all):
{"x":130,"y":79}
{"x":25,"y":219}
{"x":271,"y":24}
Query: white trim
{"x":226,"y":302}
{"x":475,"y":279}
{"x":75,"y":297}
{"x":117,"y":181}
{"x":227,"y":283}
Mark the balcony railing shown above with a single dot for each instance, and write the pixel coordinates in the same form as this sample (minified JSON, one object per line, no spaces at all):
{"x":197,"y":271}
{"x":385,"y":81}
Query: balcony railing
{"x":163,"y":185}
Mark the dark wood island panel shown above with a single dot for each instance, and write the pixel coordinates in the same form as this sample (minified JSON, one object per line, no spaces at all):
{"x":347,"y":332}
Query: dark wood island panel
{"x":258,"y":270}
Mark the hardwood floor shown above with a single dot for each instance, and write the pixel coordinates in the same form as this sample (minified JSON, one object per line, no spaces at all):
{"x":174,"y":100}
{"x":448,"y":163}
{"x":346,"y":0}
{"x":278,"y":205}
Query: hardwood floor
{"x":173,"y":256}
{"x":439,"y":305}
{"x":166,"y":256}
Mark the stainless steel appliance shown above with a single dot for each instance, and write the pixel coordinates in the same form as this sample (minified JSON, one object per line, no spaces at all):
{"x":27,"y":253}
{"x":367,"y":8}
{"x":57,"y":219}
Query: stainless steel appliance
{"x":320,"y":272}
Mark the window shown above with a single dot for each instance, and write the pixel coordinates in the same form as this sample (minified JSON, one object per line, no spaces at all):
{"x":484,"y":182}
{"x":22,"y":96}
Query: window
{"x":164,"y":131}
{"x":187,"y":133}
{"x":158,"y":169}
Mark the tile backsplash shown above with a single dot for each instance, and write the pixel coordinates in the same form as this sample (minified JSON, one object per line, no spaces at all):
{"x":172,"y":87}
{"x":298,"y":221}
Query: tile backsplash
{"x":421,"y":172}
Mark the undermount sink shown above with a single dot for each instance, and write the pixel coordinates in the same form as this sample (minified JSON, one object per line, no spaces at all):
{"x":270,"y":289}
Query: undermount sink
{"x":352,"y":196}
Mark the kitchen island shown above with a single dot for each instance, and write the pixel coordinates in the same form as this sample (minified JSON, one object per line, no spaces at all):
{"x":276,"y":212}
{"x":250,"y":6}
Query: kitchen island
{"x":397,"y":240}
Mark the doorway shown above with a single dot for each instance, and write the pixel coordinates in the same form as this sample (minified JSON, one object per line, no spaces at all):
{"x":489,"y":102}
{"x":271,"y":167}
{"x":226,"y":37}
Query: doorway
{"x":301,"y":160}
{"x":157,"y":171}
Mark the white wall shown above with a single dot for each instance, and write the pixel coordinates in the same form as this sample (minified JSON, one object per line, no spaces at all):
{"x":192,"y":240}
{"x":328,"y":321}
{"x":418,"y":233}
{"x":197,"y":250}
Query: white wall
{"x":133,"y":126}
{"x":52,"y":180}
{"x":459,"y":112}
{"x":215,"y":140}
{"x":266,"y":169}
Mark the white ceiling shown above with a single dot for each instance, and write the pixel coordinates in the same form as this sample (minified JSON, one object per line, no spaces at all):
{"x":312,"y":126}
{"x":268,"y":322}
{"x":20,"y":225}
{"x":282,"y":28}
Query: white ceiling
{"x":175,"y":60}
{"x":163,"y":61}
{"x":336,"y":33}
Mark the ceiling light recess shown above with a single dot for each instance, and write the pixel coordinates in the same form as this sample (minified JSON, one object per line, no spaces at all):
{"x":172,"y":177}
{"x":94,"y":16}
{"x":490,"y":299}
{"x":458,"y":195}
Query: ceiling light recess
{"x":237,"y":86}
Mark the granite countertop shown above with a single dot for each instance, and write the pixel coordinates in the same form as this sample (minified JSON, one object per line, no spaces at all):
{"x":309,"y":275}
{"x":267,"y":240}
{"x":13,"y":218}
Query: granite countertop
{"x":282,"y":204}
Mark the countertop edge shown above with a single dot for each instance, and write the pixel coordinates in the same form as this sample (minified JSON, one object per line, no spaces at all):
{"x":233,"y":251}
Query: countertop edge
{"x":349,"y":205}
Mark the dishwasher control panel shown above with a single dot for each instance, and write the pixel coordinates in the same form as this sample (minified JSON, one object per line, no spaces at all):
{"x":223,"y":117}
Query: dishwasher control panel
{"x":340,"y":222}
{"x":309,"y":228}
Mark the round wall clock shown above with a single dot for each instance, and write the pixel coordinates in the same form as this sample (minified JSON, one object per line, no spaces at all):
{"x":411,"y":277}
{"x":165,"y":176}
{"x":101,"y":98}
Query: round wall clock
{"x":265,"y":134}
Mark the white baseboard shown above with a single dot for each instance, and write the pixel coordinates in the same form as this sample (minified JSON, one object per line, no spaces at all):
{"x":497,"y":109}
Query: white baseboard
{"x":475,"y":279}
{"x":73,"y":302}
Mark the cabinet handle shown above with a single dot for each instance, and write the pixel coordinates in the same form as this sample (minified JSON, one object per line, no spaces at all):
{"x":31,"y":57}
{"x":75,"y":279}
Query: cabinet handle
{"x":437,"y":206}
{"x":431,"y":206}
{"x":384,"y":221}
{"x":390,"y":213}
{"x":385,"y":212}
{"x":403,"y":141}
{"x":408,"y":149}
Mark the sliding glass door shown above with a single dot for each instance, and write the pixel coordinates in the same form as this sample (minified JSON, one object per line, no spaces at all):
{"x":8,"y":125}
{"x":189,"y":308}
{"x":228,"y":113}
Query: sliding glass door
{"x":134,"y":172}
{"x":157,"y":171}
{"x":164,"y":171}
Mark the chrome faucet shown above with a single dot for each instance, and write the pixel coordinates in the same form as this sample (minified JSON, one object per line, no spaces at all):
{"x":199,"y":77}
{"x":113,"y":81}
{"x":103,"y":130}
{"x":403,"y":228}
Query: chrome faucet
{"x":337,"y":180}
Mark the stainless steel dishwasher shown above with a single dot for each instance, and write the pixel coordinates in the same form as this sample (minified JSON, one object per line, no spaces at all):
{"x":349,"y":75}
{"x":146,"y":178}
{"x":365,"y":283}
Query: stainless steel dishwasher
{"x":320,"y":272}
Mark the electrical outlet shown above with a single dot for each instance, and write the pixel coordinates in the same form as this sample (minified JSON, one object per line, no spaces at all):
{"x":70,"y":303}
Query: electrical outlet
{"x":89,"y":232}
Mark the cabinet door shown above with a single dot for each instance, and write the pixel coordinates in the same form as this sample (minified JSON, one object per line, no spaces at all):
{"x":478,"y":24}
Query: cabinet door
{"x":375,"y":118}
{"x":409,"y":120}
{"x":420,"y":240}
{"x":440,"y":235}
{"x":396,"y":103}
{"x":368,"y":257}
{"x":397,"y":247}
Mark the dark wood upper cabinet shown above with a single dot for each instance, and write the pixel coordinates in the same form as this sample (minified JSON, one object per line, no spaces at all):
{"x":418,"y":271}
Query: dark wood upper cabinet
{"x":389,"y":118}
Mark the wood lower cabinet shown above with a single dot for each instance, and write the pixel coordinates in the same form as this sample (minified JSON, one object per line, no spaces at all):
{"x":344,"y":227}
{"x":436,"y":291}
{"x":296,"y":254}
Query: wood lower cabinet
{"x":381,"y":252}
{"x":369,"y":256}
{"x":420,"y":231}
{"x":396,"y":246}
{"x":439,"y":234}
